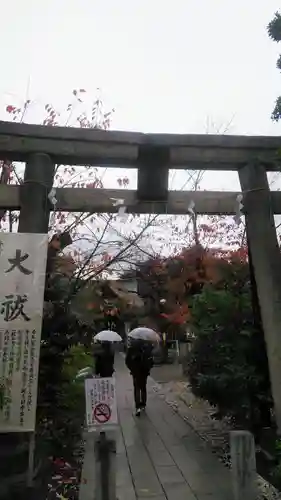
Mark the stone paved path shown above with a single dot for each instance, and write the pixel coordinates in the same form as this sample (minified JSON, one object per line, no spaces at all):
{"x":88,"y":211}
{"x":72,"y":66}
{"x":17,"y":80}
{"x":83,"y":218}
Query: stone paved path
{"x":159,"y":457}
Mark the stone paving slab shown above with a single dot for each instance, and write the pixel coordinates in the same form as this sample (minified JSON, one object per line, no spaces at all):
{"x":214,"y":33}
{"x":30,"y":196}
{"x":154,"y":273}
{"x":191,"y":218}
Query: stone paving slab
{"x":159,"y":456}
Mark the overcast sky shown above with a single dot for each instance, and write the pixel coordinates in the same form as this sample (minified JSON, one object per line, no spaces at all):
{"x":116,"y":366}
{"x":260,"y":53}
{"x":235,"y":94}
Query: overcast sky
{"x":165,"y":66}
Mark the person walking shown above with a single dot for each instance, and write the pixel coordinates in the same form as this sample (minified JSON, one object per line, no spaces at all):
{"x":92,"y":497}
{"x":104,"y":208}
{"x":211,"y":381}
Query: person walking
{"x":104,"y":359}
{"x":139,"y":361}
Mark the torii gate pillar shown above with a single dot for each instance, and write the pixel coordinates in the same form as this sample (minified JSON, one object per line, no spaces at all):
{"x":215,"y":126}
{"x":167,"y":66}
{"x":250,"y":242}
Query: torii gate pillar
{"x":266,"y":259}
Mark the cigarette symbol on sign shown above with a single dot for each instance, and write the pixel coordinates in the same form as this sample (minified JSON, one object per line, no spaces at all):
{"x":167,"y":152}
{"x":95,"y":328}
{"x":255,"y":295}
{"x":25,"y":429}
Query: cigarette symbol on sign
{"x":102,"y":413}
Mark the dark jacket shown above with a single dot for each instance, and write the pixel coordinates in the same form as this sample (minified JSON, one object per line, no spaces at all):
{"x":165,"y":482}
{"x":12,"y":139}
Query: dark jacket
{"x":139,"y":360}
{"x":104,"y":361}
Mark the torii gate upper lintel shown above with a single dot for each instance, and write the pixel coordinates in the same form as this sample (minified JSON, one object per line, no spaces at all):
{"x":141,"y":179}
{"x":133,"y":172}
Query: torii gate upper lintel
{"x":152,"y":154}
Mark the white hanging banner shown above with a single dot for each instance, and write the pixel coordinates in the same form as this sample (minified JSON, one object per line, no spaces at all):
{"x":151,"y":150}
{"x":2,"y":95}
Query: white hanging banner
{"x":22,"y":281}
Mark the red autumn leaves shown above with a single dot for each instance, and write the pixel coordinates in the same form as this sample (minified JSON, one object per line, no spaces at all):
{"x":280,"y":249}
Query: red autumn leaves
{"x":185,"y":274}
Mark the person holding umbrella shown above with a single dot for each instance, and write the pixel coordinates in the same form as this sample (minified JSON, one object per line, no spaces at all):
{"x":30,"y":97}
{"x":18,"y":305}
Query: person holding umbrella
{"x":139,"y":360}
{"x":104,"y":353}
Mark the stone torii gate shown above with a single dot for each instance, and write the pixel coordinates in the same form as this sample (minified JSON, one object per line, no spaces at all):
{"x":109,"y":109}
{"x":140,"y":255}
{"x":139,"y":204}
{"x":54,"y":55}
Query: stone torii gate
{"x":41,"y":148}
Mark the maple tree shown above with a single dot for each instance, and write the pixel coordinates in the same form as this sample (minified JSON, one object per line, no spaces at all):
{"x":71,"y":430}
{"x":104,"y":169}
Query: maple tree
{"x":168,"y":283}
{"x":99,"y":245}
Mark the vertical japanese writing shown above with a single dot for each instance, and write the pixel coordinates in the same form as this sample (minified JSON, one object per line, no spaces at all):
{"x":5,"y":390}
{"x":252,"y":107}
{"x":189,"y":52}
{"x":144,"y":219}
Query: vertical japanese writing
{"x":9,"y":378}
{"x":4,"y":378}
{"x":12,"y":353}
{"x":12,"y":307}
{"x":25,"y":357}
{"x":102,"y":391}
{"x":95,"y":394}
{"x":24,"y":376}
{"x":112,"y":391}
{"x":92,"y":399}
{"x":19,"y":350}
{"x":5,"y":353}
{"x":16,"y":263}
{"x":2,"y":385}
{"x":7,"y":399}
{"x":31,"y":369}
{"x":106,"y":389}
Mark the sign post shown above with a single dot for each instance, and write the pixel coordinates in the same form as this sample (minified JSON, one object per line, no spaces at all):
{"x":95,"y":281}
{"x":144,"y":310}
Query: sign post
{"x":22,"y":281}
{"x":100,"y":447}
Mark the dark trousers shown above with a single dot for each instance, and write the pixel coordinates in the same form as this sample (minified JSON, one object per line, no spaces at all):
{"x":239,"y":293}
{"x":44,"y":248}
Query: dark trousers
{"x":140,"y":393}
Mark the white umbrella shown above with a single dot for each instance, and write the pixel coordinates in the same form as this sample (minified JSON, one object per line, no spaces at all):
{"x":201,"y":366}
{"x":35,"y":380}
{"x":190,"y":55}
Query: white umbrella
{"x":143,"y":333}
{"x":107,"y":336}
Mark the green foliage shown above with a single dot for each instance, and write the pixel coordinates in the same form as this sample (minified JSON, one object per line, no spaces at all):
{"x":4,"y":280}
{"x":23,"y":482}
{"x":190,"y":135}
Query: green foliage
{"x":276,"y":113}
{"x":227,"y":364}
{"x":71,"y":398}
{"x":63,"y":429}
{"x":276,"y":473}
{"x":274,"y":32}
{"x":76,"y":359}
{"x":71,"y":395}
{"x":274,"y":27}
{"x":60,"y":406}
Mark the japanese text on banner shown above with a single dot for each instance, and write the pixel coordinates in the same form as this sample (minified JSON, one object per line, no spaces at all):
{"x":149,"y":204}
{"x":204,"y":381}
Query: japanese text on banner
{"x":22,"y":281}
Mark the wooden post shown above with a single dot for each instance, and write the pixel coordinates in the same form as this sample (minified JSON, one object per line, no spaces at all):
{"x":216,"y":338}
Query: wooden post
{"x":243,"y":465}
{"x":98,"y":478}
{"x":89,"y":473}
{"x":266,"y":261}
{"x":31,"y":451}
{"x":34,"y":218}
{"x":105,"y":450}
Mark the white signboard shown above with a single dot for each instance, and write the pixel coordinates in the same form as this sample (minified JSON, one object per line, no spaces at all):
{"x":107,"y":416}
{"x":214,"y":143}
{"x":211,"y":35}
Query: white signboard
{"x":101,"y":405}
{"x":22,"y":281}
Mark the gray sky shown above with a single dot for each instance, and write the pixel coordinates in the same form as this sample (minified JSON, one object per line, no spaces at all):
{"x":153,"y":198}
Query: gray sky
{"x":166,"y":66}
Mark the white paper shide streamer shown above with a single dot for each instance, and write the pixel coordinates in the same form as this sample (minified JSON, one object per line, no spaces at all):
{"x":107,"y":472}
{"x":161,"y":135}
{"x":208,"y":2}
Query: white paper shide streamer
{"x":119,"y":202}
{"x":238,"y":209}
{"x":53,"y":200}
{"x":191,"y":208}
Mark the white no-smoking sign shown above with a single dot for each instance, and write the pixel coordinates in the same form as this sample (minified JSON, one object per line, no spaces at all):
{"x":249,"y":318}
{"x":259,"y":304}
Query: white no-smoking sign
{"x":101,"y":405}
{"x":102,"y":413}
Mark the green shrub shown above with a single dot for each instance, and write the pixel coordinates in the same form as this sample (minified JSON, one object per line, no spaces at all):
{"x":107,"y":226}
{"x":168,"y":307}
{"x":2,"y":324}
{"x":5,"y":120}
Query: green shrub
{"x":64,"y":430}
{"x":227,"y":364}
{"x":72,"y":391}
{"x":76,"y":359}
